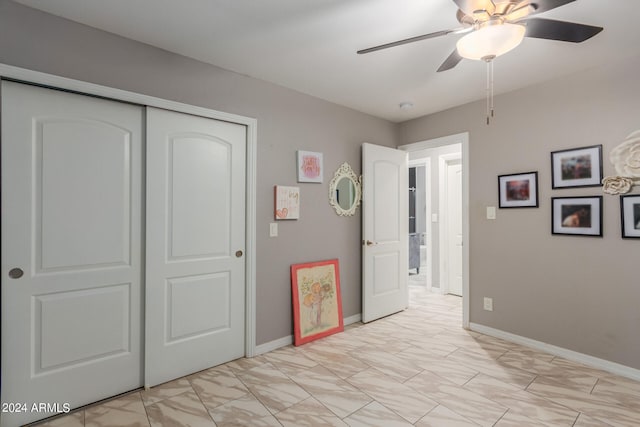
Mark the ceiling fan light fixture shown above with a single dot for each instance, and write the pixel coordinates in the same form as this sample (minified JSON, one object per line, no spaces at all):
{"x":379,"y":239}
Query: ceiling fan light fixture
{"x":490,"y":41}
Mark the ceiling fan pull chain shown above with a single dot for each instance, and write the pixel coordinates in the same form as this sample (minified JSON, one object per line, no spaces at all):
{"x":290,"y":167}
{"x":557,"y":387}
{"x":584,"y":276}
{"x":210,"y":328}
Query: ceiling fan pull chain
{"x":488,"y":107}
{"x":492,"y":86}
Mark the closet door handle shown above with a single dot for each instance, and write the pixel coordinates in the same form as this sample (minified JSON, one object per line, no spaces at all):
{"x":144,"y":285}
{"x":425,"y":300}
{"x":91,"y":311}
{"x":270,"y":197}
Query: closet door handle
{"x":16,"y":273}
{"x":370,"y":243}
{"x":238,"y":254}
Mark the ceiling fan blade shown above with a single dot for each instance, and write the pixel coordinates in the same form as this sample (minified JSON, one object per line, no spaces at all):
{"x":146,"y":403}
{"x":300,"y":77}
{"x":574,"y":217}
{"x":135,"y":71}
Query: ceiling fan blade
{"x":549,"y":29}
{"x":544,"y":5}
{"x":470,"y":6}
{"x":409,"y":40}
{"x":451,"y":61}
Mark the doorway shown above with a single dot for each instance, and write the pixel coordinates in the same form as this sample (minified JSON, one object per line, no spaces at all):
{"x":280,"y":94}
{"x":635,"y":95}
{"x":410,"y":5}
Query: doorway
{"x":446,"y":240}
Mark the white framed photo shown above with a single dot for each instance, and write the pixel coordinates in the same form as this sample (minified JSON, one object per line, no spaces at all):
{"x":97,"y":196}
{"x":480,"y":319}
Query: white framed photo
{"x":577,"y":216}
{"x":310,"y":168}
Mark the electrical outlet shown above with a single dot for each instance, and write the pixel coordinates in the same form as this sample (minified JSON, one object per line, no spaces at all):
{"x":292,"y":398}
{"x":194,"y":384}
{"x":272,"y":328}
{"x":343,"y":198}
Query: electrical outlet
{"x":488,"y":304}
{"x":273,"y":229}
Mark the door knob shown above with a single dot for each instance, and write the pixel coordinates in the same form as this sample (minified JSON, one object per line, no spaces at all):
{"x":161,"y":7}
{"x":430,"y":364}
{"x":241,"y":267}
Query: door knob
{"x":16,"y":273}
{"x":238,"y":254}
{"x":370,"y":243}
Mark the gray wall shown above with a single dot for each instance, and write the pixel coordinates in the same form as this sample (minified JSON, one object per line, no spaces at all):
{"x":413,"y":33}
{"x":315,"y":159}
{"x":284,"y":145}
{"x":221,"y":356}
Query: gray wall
{"x":579,"y":293}
{"x":287,"y":121}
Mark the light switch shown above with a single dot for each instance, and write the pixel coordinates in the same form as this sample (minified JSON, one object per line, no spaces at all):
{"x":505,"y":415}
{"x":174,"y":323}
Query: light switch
{"x":491,"y":212}
{"x":434,"y":217}
{"x":273,"y":229}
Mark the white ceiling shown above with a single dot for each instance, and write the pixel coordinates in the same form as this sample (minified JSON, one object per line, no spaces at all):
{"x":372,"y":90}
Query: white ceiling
{"x":310,"y":45}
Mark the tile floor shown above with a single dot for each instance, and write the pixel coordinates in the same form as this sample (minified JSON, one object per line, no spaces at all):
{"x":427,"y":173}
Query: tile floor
{"x":416,"y":368}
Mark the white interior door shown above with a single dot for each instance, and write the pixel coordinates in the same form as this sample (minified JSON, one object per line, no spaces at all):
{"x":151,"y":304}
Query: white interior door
{"x":454,"y":226}
{"x":385,"y":231}
{"x":195,"y":266}
{"x":71,"y":236}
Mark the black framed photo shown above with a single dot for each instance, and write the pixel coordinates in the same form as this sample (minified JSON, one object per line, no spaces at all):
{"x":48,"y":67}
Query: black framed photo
{"x":518,"y":190}
{"x":577,"y":167}
{"x":577,"y":216}
{"x":630,"y":216}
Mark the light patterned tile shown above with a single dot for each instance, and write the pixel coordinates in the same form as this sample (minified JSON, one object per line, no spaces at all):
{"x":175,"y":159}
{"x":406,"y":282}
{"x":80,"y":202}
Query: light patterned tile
{"x":505,"y":373}
{"x":74,"y":419}
{"x":464,"y":402}
{"x":126,"y":411}
{"x":273,"y":388}
{"x":165,"y":391}
{"x":579,"y":379}
{"x":400,"y":398}
{"x":244,"y":412}
{"x":513,"y":419}
{"x":375,"y":415}
{"x":473,"y":345}
{"x":217,"y":386}
{"x":336,"y":360}
{"x":586,"y":421}
{"x":449,"y":369}
{"x":620,"y":394}
{"x":289,"y":356}
{"x":389,"y":364}
{"x":244,"y":364}
{"x":336,"y":394}
{"x":442,"y":416}
{"x":309,"y":413}
{"x":622,"y":381}
{"x":521,"y":402}
{"x":182,"y":410}
{"x":616,"y":415}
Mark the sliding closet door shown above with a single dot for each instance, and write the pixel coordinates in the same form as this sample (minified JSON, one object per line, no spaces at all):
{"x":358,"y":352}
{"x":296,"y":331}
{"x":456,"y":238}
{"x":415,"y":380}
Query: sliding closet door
{"x":195,"y":265}
{"x":71,"y":236}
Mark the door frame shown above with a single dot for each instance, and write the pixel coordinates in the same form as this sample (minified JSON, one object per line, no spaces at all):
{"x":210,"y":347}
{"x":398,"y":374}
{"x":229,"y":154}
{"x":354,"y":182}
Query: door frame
{"x":463,"y":140}
{"x":426,"y":163}
{"x":444,"y":161}
{"x":49,"y":80}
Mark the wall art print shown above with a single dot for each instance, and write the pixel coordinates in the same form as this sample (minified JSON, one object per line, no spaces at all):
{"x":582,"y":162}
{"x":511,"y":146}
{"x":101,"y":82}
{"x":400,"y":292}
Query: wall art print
{"x":317,"y":301}
{"x":518,"y":190}
{"x":310,"y":167}
{"x":577,"y":167}
{"x":577,"y":216}
{"x":287,"y":202}
{"x":630,"y":216}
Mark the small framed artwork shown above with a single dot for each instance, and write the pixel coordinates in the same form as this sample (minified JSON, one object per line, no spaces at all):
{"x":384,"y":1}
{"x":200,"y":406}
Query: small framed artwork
{"x":630,"y":216}
{"x":577,"y":216}
{"x":577,"y":167}
{"x":518,"y":190}
{"x":310,"y":166}
{"x":287,"y":202}
{"x":317,"y":302}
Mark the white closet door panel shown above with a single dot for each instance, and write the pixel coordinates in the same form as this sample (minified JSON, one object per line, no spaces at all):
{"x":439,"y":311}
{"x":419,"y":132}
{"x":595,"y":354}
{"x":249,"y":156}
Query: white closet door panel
{"x":195,"y":242}
{"x":71,"y":205}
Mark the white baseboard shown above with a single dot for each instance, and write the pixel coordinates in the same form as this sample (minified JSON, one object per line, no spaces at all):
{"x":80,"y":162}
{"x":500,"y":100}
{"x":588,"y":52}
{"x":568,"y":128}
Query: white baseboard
{"x":285,"y":341}
{"x":605,"y":365}
{"x":352,"y":319}
{"x":273,"y":345}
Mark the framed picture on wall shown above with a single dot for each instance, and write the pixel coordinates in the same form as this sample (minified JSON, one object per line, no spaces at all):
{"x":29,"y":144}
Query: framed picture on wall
{"x":310,"y":166}
{"x":317,"y":301}
{"x":577,"y":167}
{"x":518,"y":190}
{"x":287,"y":202}
{"x":630,"y":216}
{"x":577,"y":216}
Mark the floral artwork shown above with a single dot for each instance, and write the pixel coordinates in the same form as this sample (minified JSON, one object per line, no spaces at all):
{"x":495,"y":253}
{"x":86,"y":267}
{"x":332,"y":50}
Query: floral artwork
{"x":625,"y":158}
{"x":317,"y":302}
{"x":309,"y":166}
{"x":287,"y":202}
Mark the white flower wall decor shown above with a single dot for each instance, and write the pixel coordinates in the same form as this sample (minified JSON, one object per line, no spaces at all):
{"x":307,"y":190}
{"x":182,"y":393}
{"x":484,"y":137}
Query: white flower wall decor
{"x":626,"y":160}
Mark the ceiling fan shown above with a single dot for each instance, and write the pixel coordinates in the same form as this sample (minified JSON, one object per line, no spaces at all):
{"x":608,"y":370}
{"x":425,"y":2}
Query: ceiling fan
{"x":494,"y":27}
